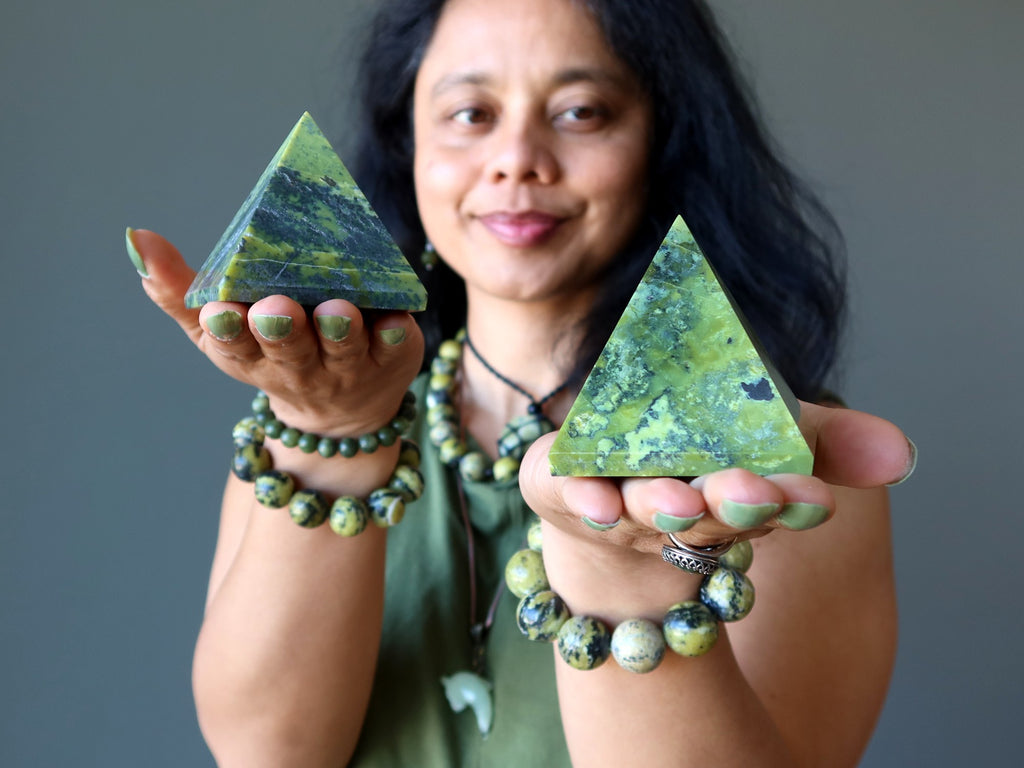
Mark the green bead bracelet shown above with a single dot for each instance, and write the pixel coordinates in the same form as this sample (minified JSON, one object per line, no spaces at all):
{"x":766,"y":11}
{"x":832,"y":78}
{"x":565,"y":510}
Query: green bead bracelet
{"x":310,"y":442}
{"x":689,"y":628}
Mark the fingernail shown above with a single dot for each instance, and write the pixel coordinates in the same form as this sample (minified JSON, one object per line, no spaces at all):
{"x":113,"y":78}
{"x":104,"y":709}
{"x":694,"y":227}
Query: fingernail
{"x":224,"y":325}
{"x":133,"y":254}
{"x":598,"y":526}
{"x":674,"y":523}
{"x":800,"y":517}
{"x":392,"y":336}
{"x":911,"y":465}
{"x":334,"y":327}
{"x":740,"y":515}
{"x":273,"y":327}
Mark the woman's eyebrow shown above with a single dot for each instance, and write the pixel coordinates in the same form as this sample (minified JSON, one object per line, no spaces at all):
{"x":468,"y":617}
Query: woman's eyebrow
{"x":567,"y":76}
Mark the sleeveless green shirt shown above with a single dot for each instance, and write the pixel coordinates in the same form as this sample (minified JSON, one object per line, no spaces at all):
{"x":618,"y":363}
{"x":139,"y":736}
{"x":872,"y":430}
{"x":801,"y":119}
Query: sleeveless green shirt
{"x":409,"y":723}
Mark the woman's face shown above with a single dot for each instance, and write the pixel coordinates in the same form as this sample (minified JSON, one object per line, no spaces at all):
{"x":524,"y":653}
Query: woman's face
{"x":531,"y":145}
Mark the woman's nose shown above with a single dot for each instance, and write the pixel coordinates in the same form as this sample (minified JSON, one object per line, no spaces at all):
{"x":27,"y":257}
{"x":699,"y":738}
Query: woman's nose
{"x":522,"y":153}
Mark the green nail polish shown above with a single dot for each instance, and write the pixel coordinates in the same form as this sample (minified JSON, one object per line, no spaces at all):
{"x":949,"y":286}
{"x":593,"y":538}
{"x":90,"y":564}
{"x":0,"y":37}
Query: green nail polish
{"x":911,"y":466}
{"x":273,"y":327}
{"x":740,"y":515}
{"x":225,"y":325}
{"x":674,"y":524}
{"x":799,"y":516}
{"x":133,"y":254}
{"x":334,"y":327}
{"x":598,"y":526}
{"x":393,"y":336}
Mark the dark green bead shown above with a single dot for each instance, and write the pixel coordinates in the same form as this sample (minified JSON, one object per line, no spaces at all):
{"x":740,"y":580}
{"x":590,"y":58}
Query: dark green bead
{"x":638,"y":645}
{"x":409,"y":454}
{"x":400,"y":425}
{"x":386,"y":436}
{"x":739,"y":557}
{"x":327,"y":447}
{"x":407,"y":481}
{"x":264,"y":417}
{"x":250,"y":460}
{"x":273,"y":488}
{"x":690,"y":628}
{"x":409,"y":398}
{"x":248,"y":430}
{"x":584,"y":642}
{"x":525,"y":574}
{"x":290,"y":437}
{"x":540,"y":615}
{"x":349,"y":516}
{"x":260,"y":404}
{"x":308,"y":508}
{"x":728,"y":593}
{"x":368,"y":443}
{"x":274,"y":428}
{"x":387,"y":507}
{"x":348,"y":447}
{"x":407,"y":412}
{"x":308,"y":442}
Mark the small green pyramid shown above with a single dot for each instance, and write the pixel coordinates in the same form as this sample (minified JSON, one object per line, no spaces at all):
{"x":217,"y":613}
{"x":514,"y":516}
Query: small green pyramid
{"x":307,"y":231}
{"x":681,"y":388}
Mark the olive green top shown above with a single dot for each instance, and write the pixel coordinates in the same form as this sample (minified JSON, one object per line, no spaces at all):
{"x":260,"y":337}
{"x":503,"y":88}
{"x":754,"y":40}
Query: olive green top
{"x":426,"y":635}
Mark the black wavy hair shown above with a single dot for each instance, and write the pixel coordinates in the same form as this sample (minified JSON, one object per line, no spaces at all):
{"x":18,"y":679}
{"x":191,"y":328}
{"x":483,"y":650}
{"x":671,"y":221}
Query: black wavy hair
{"x":773,"y":244}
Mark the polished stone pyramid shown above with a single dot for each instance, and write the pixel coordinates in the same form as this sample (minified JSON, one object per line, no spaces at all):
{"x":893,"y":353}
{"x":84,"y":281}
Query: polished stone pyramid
{"x":308,"y":232}
{"x":681,"y":388}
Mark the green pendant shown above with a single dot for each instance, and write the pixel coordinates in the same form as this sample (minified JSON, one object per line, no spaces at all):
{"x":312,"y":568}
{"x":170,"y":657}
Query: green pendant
{"x":681,"y":389}
{"x":306,"y":231}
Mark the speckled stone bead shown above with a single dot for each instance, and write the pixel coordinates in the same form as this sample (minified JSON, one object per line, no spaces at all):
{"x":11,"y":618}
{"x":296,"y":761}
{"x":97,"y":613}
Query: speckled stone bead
{"x":349,"y":516}
{"x":308,"y":508}
{"x":248,"y":430}
{"x":451,"y":451}
{"x":728,"y":593}
{"x":474,"y":467}
{"x":441,"y":381}
{"x":442,"y":431}
{"x":450,"y":350}
{"x":520,"y":433}
{"x":638,"y":645}
{"x":440,"y":366}
{"x":274,"y":489}
{"x":441,"y":413}
{"x":524,"y":573}
{"x":534,"y":536}
{"x":690,"y":628}
{"x":250,"y":460}
{"x":506,"y":468}
{"x":409,"y":454}
{"x":540,"y":615}
{"x":435,"y":397}
{"x":407,"y":481}
{"x":584,"y":642}
{"x":386,"y":507}
{"x":739,"y":557}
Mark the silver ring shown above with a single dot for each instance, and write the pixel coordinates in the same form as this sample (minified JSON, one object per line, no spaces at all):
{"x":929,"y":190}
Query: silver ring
{"x":701,"y":560}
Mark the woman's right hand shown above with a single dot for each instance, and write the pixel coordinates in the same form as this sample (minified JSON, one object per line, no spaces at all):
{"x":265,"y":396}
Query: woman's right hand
{"x":336,"y":372}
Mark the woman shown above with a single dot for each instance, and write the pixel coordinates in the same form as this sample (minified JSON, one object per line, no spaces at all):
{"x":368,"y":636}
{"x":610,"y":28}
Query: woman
{"x":545,"y":157}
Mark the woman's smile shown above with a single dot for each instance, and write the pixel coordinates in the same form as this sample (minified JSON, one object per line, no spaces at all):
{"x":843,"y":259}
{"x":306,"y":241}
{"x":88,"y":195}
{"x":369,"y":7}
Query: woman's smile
{"x":522,"y":229}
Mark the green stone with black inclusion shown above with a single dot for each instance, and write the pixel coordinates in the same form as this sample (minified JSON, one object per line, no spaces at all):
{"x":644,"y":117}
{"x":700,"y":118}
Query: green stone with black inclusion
{"x":307,"y":231}
{"x":681,"y":388}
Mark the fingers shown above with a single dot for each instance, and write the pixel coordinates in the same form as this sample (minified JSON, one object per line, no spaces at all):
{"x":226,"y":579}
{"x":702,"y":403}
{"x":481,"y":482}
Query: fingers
{"x":166,"y":277}
{"x":856,"y":449}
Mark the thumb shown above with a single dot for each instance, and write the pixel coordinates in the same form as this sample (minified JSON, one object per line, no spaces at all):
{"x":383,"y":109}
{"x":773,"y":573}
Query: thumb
{"x":166,"y":277}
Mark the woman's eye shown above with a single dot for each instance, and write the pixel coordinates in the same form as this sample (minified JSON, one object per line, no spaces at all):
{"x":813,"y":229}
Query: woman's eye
{"x":581,"y":116}
{"x":469,"y":116}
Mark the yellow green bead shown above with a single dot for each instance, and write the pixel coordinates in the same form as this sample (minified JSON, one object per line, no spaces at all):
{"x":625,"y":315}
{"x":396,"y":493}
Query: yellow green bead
{"x":308,"y":508}
{"x":728,"y":593}
{"x":407,"y":481}
{"x":441,"y":381}
{"x":248,"y":430}
{"x":690,"y":628}
{"x":274,"y":489}
{"x":349,"y":516}
{"x":506,"y":468}
{"x":442,"y":431}
{"x":540,"y":615}
{"x":525,"y":574}
{"x":739,"y":557}
{"x":451,"y":450}
{"x":534,"y":535}
{"x":443,"y":366}
{"x":638,"y":645}
{"x":439,"y":413}
{"x":409,"y":454}
{"x":450,"y":350}
{"x":250,"y":460}
{"x":474,"y":467}
{"x":386,"y":507}
{"x":584,"y":642}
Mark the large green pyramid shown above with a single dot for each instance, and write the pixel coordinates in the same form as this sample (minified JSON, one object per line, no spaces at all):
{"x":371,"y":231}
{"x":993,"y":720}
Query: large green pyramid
{"x":680,"y":389}
{"x":308,"y":232}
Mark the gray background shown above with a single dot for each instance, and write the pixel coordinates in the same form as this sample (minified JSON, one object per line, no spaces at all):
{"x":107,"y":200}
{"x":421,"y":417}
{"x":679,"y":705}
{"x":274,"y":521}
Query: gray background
{"x":907,"y":116}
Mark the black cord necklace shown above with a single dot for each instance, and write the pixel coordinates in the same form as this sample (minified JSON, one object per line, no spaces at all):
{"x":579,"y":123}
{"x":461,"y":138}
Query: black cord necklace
{"x":536,"y":406}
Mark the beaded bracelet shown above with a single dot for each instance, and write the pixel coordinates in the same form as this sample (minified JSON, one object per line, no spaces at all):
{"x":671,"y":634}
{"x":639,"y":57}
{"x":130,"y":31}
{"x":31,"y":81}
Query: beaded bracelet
{"x":690,"y":627}
{"x":308,"y":442}
{"x":348,"y":515}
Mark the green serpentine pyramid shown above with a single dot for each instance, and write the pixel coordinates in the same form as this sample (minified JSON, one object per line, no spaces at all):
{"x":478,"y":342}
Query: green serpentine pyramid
{"x":681,"y":388}
{"x":306,"y":231}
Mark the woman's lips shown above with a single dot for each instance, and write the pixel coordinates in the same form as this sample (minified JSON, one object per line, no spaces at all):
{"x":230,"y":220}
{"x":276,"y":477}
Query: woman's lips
{"x":521,"y":230}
